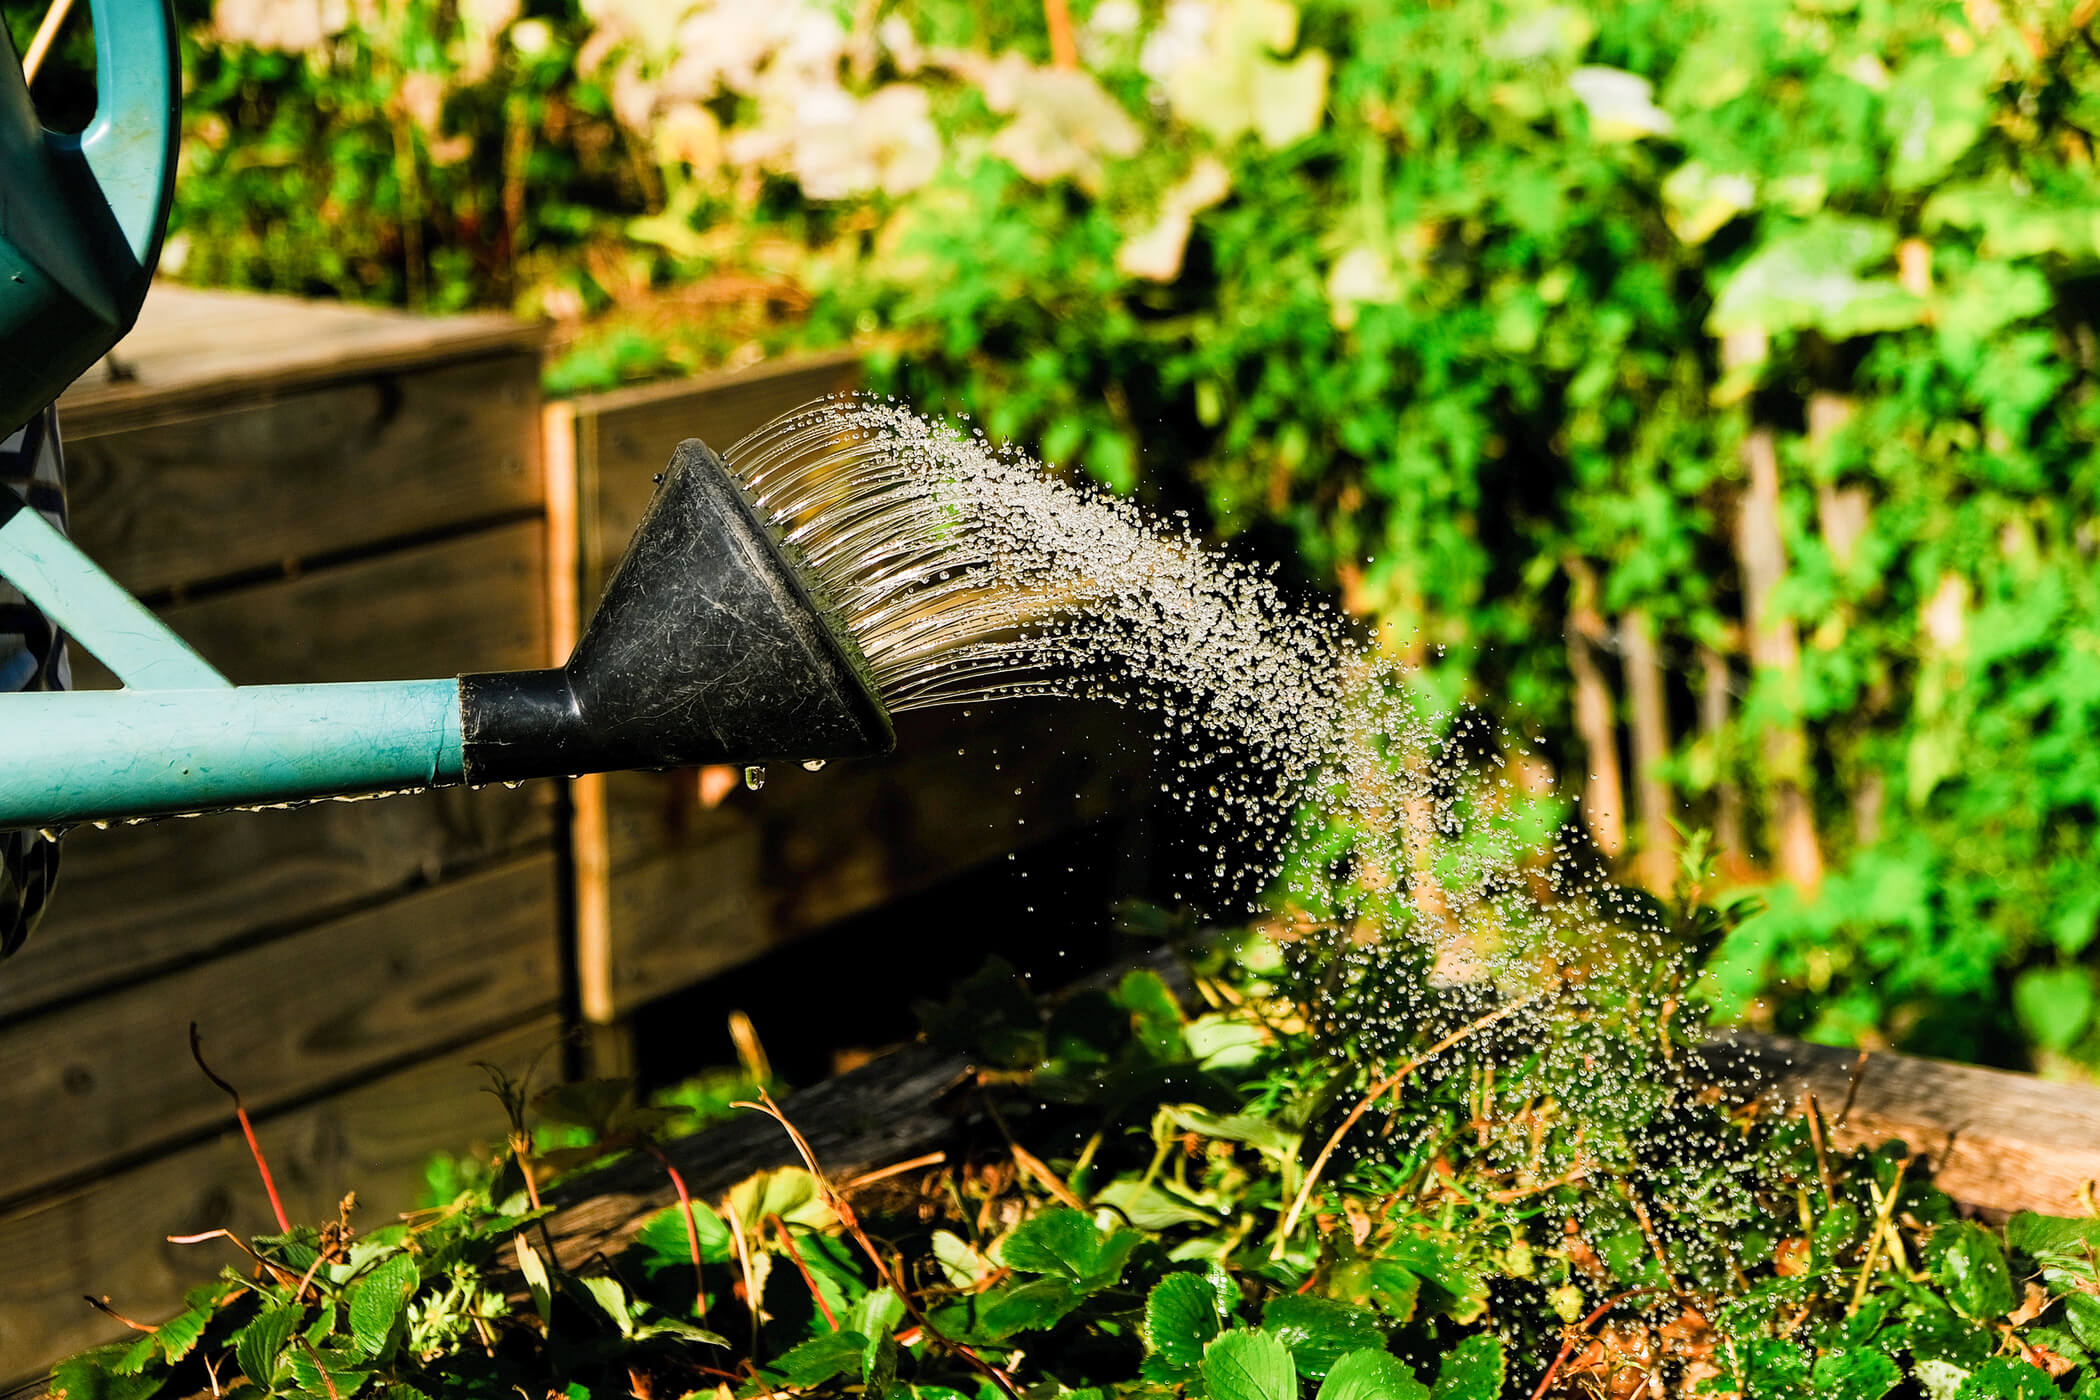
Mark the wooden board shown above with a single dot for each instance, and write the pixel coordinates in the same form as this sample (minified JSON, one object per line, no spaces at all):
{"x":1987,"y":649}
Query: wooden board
{"x":110,"y":1238}
{"x":1994,"y":1140}
{"x":134,"y":902}
{"x":624,"y":438}
{"x":474,"y":602}
{"x":107,"y":1079}
{"x":196,"y":351}
{"x":691,"y":891}
{"x":345,"y":466}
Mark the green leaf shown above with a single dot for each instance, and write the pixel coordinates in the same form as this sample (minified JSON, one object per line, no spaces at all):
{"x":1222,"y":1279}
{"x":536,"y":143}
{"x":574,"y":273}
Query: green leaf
{"x":1856,"y":1373}
{"x":1810,"y":277}
{"x":181,"y":1333}
{"x":1249,"y":1365}
{"x":1319,"y":1331}
{"x":2004,"y":1378}
{"x":2054,"y":1240}
{"x":2054,"y":1004}
{"x":665,"y":1246}
{"x":962,"y":1264}
{"x":876,"y":1314}
{"x":88,"y":1377}
{"x":1473,"y":1370}
{"x":1933,"y":111}
{"x":878,"y":1367}
{"x":1028,"y":1307}
{"x":1155,"y":1017}
{"x":1262,"y":1134}
{"x":258,"y":1345}
{"x":611,"y":1299}
{"x":1975,"y":1273}
{"x":2082,"y":1312}
{"x":1373,"y":1375}
{"x":377,"y":1302}
{"x":306,"y":1367}
{"x":1149,"y":1207}
{"x":537,"y":1283}
{"x":1062,"y":1242}
{"x":821,"y":1359}
{"x":1181,"y":1319}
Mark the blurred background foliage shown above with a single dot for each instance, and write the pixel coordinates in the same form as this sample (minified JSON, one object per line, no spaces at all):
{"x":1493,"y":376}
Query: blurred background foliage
{"x":1704,"y":387}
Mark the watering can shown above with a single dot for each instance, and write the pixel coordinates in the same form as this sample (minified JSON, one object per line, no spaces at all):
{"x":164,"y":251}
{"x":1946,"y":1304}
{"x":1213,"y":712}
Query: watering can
{"x":81,"y":216}
{"x":708,"y":646}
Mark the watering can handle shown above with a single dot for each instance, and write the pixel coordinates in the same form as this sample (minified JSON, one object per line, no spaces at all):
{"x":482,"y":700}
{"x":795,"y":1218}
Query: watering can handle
{"x":130,"y":145}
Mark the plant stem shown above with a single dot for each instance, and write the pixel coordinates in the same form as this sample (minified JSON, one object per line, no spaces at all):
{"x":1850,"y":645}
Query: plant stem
{"x":1582,"y":1330}
{"x":240,"y":1112}
{"x":1378,"y":1091}
{"x":787,"y":1242}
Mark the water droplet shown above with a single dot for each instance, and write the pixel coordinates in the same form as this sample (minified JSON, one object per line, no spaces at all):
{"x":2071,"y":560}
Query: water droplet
{"x":755,"y":776}
{"x":813,"y":765}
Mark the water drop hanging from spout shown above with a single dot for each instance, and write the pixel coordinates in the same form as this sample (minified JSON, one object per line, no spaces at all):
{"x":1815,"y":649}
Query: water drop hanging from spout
{"x":755,"y":776}
{"x":813,"y":765}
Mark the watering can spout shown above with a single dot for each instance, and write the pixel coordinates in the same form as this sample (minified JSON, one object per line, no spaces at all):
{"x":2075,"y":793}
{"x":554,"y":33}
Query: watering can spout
{"x":81,"y":216}
{"x":707,"y":648}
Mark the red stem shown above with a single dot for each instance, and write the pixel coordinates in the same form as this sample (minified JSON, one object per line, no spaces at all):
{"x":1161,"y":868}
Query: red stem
{"x":262,"y":1166}
{"x":808,"y":1278}
{"x":692,"y":1228}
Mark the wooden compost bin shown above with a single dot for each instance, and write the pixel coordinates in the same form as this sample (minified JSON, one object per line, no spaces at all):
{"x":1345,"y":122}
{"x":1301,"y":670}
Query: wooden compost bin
{"x":670,"y":890}
{"x":306,"y":493}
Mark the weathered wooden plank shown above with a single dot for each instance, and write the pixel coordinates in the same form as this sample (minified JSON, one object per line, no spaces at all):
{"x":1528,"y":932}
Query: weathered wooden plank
{"x":624,"y":438}
{"x":108,"y":1079}
{"x":196,"y":351}
{"x":340,"y":467}
{"x":693,"y":891}
{"x":886,"y":1111}
{"x":475,"y":602}
{"x":1998,"y":1141}
{"x":109,"y":1238}
{"x":133,"y":901}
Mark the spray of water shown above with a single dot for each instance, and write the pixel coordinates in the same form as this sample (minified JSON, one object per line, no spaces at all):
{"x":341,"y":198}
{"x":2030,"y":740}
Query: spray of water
{"x":967,"y":572}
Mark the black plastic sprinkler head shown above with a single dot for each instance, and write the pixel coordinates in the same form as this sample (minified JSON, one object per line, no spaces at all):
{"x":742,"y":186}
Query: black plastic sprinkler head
{"x":708,"y":647}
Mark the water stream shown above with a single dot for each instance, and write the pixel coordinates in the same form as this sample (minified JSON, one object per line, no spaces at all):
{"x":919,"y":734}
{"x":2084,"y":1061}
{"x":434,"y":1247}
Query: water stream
{"x":969,"y":572}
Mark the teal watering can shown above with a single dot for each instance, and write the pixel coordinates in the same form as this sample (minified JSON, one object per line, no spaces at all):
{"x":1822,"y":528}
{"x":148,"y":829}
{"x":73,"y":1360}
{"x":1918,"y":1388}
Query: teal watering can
{"x":81,"y":216}
{"x":707,"y":647}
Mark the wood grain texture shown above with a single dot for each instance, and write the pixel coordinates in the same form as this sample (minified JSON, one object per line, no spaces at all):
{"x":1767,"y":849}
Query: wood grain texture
{"x":1994,"y":1140}
{"x":475,"y":602}
{"x":194,"y":351}
{"x":109,"y":1079}
{"x":344,"y":466}
{"x":110,"y":1237}
{"x":895,"y":1108}
{"x":624,"y":438}
{"x":691,"y":891}
{"x":135,"y":901}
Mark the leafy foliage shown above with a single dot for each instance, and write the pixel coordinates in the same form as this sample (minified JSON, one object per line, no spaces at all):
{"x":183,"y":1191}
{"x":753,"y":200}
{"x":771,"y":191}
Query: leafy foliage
{"x":1556,"y":1200}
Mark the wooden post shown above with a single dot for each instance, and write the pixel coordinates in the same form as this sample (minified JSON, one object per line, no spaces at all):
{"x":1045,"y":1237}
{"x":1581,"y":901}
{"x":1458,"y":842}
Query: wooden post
{"x":1654,"y":804}
{"x":1713,"y":728}
{"x":590,"y":866}
{"x":1603,"y":791}
{"x":1775,"y":648}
